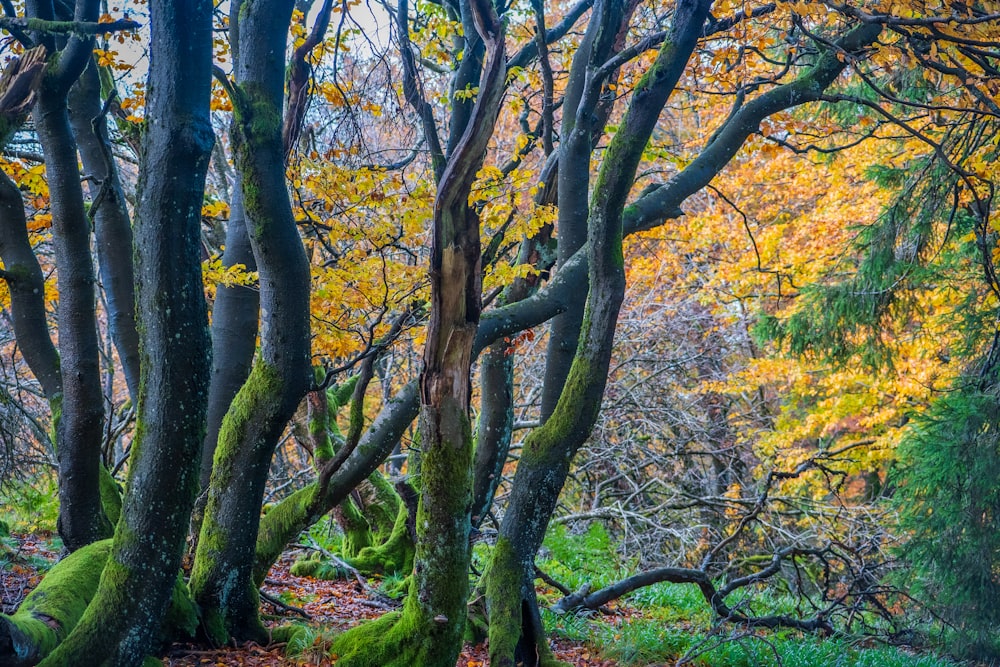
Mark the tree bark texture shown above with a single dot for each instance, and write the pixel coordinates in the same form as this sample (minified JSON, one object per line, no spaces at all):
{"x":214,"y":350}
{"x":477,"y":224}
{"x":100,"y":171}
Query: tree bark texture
{"x":121,"y":622}
{"x":80,"y":424}
{"x":222,"y":577}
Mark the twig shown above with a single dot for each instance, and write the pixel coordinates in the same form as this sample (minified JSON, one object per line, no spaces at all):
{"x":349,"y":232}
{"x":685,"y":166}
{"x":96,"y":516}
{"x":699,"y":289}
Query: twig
{"x":287,"y":607}
{"x":348,"y":568}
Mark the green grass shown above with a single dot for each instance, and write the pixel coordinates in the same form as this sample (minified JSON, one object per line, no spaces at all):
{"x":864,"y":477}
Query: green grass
{"x":676,"y":620}
{"x":811,"y":652}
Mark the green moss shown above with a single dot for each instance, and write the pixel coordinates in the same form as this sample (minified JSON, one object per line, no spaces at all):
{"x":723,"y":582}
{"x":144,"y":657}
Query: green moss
{"x":182,"y":619}
{"x":257,"y":123}
{"x":357,"y":532}
{"x":393,"y":556}
{"x":279,"y":526}
{"x":111,"y":497}
{"x":55,"y":407}
{"x":340,"y":395}
{"x":53,"y":609}
{"x":546,"y":441}
{"x":381,"y":505}
{"x":396,"y":639}
{"x":261,"y":387}
{"x":319,"y":434}
{"x":503,"y":593}
{"x":316,"y":567}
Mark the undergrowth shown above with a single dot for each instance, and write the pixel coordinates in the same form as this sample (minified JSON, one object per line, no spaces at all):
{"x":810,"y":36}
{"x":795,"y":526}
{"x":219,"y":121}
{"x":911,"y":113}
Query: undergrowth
{"x":675,"y":623}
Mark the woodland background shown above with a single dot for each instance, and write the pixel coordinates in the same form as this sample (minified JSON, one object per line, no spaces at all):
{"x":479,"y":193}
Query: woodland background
{"x":697,"y":302}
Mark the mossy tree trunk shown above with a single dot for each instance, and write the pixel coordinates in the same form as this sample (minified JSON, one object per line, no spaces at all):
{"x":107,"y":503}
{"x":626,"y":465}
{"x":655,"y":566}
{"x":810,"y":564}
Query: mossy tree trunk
{"x":428,"y":631}
{"x":303,"y":508}
{"x":80,"y":425}
{"x":125,"y":615}
{"x":222,"y":576}
{"x":516,"y":635}
{"x":52,"y":610}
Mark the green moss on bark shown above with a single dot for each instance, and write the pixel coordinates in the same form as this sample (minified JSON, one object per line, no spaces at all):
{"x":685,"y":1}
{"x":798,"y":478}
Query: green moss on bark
{"x":213,"y":586}
{"x":397,"y":639}
{"x":357,"y":532}
{"x":111,"y":497}
{"x":393,"y":556}
{"x":380,"y":505}
{"x":503,"y":590}
{"x":283,"y":522}
{"x":54,"y":608}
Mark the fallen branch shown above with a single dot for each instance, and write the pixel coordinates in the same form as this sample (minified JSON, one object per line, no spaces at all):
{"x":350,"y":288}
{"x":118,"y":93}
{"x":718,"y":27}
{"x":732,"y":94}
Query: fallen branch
{"x":584,"y":599}
{"x":347,"y":567}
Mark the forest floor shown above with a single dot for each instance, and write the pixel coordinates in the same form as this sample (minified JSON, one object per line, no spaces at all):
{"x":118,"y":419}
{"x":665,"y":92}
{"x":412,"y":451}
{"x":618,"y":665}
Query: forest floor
{"x":333,"y":605}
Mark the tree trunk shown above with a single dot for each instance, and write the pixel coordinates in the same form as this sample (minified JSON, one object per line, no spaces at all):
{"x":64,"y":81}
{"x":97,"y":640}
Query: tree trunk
{"x":112,"y":225}
{"x":222,"y":577}
{"x":496,"y":426}
{"x":515,"y":631}
{"x":122,"y":620}
{"x":428,"y":631}
{"x":80,"y":424}
{"x":27,"y":292}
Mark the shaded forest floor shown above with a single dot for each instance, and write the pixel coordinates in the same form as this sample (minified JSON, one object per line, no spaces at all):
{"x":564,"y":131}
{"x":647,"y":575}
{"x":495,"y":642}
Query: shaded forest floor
{"x":657,"y":626}
{"x":332,"y":605}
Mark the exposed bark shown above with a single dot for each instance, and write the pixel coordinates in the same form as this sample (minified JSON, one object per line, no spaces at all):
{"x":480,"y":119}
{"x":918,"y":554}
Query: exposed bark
{"x":122,"y":620}
{"x":429,"y":629}
{"x":222,"y":577}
